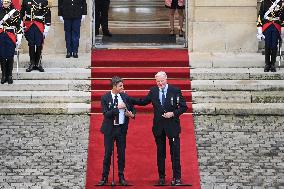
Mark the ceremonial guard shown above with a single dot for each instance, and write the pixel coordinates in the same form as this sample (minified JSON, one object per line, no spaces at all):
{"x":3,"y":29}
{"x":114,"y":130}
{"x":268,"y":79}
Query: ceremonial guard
{"x":10,"y":38}
{"x":270,"y":28}
{"x":37,"y":18}
{"x":72,"y":13}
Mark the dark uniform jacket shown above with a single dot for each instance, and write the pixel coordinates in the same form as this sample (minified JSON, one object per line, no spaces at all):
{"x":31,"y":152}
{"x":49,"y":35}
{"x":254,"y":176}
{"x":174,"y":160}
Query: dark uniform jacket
{"x":36,"y":12}
{"x":72,"y":8}
{"x":175,"y":103}
{"x":110,"y":111}
{"x":12,"y":26}
{"x":275,"y":17}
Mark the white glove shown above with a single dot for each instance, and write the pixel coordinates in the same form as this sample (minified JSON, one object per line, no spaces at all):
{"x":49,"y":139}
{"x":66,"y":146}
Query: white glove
{"x":46,"y":29}
{"x":282,"y":33}
{"x":61,"y":19}
{"x":83,"y":18}
{"x":259,"y":34}
{"x":19,"y":40}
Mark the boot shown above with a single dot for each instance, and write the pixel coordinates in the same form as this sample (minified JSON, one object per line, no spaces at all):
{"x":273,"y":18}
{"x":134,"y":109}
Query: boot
{"x":267,"y":59}
{"x":10,"y":71}
{"x":273,"y":60}
{"x":38,"y":58}
{"x":32,"y":59}
{"x":4,"y":70}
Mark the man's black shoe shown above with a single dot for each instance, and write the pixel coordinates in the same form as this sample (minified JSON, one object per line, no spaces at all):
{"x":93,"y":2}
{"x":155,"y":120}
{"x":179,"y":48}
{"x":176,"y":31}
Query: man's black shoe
{"x":30,"y":68}
{"x":272,"y":68}
{"x":122,"y":181}
{"x":75,"y":55}
{"x":178,"y":182}
{"x":266,"y":68}
{"x":161,"y":181}
{"x":103,"y":181}
{"x":10,"y":80}
{"x":68,"y":55}
{"x":40,"y":68}
{"x":108,"y":34}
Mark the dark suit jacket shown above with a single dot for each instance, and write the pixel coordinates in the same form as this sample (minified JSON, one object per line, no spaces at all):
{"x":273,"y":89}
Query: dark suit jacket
{"x":109,"y":112}
{"x":72,"y":8}
{"x":175,"y":103}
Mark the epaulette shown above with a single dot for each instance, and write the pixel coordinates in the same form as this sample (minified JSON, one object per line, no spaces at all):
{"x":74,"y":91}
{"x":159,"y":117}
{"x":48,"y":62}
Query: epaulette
{"x":49,"y":4}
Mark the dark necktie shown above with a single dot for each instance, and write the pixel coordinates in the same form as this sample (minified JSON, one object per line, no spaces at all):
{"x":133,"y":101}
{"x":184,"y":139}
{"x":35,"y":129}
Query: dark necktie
{"x":163,"y":97}
{"x":116,"y":117}
{"x":115,"y":100}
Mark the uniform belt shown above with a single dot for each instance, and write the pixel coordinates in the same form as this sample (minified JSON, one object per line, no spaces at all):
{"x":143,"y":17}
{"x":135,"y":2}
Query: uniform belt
{"x":38,"y":17}
{"x":272,"y":19}
{"x":9,"y":29}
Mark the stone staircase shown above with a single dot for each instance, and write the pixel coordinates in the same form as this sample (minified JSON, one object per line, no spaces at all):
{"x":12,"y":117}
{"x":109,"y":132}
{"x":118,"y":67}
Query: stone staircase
{"x":62,"y":89}
{"x":235,"y":84}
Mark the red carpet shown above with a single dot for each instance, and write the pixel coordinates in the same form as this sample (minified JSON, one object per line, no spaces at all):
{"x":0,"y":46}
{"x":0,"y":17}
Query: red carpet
{"x":138,"y":68}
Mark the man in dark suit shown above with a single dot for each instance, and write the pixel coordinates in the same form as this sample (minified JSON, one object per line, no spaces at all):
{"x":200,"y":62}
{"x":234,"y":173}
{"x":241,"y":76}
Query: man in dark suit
{"x":117,"y":110}
{"x":101,"y":17}
{"x":168,"y":104}
{"x":72,"y":13}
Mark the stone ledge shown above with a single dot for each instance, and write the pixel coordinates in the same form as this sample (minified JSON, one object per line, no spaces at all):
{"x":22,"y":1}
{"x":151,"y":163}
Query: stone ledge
{"x":239,"y":108}
{"x":44,"y":108}
{"x":237,"y":85}
{"x":47,"y":85}
{"x":235,"y":74}
{"x":44,"y":97}
{"x":238,"y":97}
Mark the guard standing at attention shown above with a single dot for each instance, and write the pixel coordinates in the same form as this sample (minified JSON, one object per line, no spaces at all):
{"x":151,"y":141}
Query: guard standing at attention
{"x":72,"y":13}
{"x":37,"y":19}
{"x":10,"y":38}
{"x":270,"y":28}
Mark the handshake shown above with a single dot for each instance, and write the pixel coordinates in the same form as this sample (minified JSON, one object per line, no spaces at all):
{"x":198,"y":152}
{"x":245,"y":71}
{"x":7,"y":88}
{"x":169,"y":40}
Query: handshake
{"x":127,"y":112}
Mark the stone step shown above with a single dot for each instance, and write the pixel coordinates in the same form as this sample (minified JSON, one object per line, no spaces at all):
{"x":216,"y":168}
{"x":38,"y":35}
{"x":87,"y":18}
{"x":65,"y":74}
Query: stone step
{"x":228,"y":60}
{"x":45,"y":97}
{"x":47,"y":85}
{"x":53,"y":74}
{"x":237,"y":85}
{"x":44,"y":108}
{"x":239,"y":108}
{"x":238,"y":97}
{"x":235,"y":74}
{"x":56,"y":61}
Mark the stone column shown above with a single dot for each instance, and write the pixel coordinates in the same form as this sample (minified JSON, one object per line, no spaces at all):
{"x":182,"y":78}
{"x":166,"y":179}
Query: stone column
{"x":222,"y":26}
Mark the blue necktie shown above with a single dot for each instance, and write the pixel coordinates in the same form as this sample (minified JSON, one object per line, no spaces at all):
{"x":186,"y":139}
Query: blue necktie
{"x":163,"y":97}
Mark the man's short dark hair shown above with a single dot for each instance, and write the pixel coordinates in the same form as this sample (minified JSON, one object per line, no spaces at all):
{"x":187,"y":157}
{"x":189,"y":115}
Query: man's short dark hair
{"x":115,"y":80}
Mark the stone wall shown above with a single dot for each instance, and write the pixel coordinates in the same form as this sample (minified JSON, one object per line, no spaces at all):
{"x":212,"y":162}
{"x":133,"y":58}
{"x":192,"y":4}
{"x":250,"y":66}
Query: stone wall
{"x":43,"y":151}
{"x":240,"y":151}
{"x":222,"y":26}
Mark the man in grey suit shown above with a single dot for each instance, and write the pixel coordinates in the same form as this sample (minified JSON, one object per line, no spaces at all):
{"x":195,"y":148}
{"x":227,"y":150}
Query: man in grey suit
{"x":168,"y":104}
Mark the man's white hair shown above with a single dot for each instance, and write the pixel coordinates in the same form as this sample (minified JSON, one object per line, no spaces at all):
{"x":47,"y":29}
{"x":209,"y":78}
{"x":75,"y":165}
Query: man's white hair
{"x":161,"y":74}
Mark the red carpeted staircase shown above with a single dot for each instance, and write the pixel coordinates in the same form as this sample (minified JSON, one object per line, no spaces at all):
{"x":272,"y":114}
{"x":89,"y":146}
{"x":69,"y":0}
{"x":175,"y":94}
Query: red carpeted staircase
{"x":137,"y":68}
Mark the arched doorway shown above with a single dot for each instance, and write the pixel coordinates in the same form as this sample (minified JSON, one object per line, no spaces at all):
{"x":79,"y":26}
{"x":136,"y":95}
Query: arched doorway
{"x":137,"y":23}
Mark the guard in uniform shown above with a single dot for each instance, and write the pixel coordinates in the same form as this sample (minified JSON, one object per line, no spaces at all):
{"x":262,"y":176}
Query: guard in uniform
{"x":270,"y":21}
{"x":72,"y":13}
{"x":37,"y":22}
{"x":10,"y":38}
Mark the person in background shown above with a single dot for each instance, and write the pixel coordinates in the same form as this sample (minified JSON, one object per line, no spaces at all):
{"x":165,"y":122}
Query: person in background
{"x":168,"y":104}
{"x":101,"y":17}
{"x":174,"y":5}
{"x":37,"y":19}
{"x":72,"y":13}
{"x":10,"y":38}
{"x":117,"y":110}
{"x":270,"y":28}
